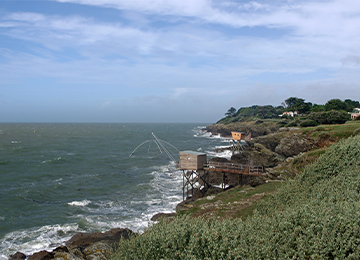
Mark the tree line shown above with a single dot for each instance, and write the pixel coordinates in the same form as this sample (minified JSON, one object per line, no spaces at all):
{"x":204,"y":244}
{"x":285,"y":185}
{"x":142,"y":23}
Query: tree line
{"x":316,"y":112}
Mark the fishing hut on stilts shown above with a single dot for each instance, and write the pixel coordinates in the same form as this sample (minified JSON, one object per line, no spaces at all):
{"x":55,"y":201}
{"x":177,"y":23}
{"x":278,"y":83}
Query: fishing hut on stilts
{"x":238,"y":140}
{"x":196,"y":168}
{"x":192,"y":164}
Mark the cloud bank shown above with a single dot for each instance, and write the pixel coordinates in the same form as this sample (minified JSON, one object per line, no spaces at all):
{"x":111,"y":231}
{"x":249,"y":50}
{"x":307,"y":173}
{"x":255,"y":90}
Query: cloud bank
{"x":156,"y":57}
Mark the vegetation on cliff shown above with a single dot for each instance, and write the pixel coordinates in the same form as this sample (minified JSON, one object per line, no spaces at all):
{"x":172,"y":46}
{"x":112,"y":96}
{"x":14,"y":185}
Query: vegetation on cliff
{"x":335,"y":111}
{"x":315,"y":216}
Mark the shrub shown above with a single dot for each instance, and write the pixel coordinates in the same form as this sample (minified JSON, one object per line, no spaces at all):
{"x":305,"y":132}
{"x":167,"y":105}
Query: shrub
{"x":283,"y":122}
{"x":308,"y":122}
{"x":357,"y":118}
{"x":323,"y":135}
{"x":292,"y":123}
{"x":330,"y":117}
{"x":319,"y":128}
{"x":316,"y":216}
{"x":356,"y":131}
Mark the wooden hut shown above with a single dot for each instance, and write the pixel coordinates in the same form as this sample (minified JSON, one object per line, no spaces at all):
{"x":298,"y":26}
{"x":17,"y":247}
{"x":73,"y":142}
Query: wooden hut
{"x":238,"y":136}
{"x":193,"y":161}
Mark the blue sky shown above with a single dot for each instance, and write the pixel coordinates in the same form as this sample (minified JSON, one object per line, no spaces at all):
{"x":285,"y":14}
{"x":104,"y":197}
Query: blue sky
{"x":172,"y":60}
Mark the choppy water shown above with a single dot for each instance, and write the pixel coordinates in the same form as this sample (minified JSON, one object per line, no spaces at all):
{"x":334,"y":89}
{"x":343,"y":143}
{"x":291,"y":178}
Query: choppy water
{"x":59,"y":179}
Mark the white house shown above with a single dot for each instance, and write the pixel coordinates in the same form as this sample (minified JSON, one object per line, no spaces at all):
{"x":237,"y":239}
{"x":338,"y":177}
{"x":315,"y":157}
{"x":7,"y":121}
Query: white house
{"x":290,"y":113}
{"x":355,"y":113}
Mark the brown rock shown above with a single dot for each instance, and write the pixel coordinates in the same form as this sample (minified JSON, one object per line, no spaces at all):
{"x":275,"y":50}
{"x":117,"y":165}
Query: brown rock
{"x":17,"y":256}
{"x":66,"y":256}
{"x":84,"y":240}
{"x":159,"y":216}
{"x":61,"y":249}
{"x":42,"y":255}
{"x":98,"y":250}
{"x":294,"y":144}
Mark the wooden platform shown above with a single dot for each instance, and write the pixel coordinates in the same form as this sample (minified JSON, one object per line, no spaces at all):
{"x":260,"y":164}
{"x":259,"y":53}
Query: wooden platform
{"x":234,"y":168}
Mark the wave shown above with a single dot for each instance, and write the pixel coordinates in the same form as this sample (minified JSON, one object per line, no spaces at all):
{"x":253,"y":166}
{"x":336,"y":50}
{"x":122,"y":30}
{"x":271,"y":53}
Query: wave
{"x":36,"y":239}
{"x":119,"y":192}
{"x":82,"y":203}
{"x":52,"y":160}
{"x":224,"y":154}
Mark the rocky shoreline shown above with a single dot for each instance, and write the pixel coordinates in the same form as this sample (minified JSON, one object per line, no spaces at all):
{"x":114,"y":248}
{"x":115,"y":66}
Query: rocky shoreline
{"x":270,"y":151}
{"x":91,"y":246}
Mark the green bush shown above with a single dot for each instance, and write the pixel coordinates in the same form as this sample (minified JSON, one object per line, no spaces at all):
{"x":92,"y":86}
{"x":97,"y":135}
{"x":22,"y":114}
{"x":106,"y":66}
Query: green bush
{"x":308,"y":122}
{"x":319,"y":128}
{"x":316,"y":216}
{"x":356,"y":131}
{"x":292,"y":123}
{"x":323,"y":135}
{"x":282,"y":122}
{"x":357,"y":118}
{"x":330,"y":117}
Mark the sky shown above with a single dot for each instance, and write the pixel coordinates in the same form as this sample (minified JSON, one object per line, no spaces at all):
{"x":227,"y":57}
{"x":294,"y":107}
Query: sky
{"x":172,"y":60}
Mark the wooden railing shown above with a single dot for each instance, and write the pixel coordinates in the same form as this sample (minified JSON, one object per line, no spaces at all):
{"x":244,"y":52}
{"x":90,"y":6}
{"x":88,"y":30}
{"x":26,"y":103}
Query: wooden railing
{"x":234,"y":168}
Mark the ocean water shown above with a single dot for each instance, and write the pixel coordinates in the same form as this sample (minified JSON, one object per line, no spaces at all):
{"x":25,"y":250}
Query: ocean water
{"x":60,"y":179}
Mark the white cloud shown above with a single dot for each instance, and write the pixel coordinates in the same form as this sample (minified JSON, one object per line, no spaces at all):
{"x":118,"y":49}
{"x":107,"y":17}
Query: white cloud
{"x":254,"y":6}
{"x":167,"y":7}
{"x":201,"y":48}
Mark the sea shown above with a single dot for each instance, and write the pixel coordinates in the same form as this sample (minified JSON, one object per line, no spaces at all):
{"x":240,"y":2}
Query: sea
{"x":57,"y":179}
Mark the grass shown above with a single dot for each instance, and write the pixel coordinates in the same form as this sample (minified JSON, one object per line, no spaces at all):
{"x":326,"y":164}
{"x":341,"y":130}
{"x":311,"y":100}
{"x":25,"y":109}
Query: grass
{"x":314,"y":216}
{"x":333,"y":133}
{"x":238,"y":202}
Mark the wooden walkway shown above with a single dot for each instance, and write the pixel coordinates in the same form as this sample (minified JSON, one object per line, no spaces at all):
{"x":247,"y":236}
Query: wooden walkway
{"x":234,"y":168}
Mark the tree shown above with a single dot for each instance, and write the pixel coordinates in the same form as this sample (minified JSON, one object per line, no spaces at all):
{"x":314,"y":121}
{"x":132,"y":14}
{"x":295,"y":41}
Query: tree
{"x":293,"y":102}
{"x":230,"y":112}
{"x":318,"y":108}
{"x":336,"y":104}
{"x":298,"y":104}
{"x":330,"y":117}
{"x":352,"y":104}
{"x":304,"y":108}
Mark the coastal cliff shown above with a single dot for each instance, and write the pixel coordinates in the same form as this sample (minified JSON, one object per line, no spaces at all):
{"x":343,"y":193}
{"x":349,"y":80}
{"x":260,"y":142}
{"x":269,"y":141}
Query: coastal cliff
{"x":82,"y":246}
{"x":314,"y":216}
{"x":284,"y":153}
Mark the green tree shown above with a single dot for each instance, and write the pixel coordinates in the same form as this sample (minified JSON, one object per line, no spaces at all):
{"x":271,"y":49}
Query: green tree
{"x":352,"y":104}
{"x":293,"y":103}
{"x":304,"y":108}
{"x":298,"y":104}
{"x":231,"y":111}
{"x":318,"y":108}
{"x":337,"y":104}
{"x":330,"y":117}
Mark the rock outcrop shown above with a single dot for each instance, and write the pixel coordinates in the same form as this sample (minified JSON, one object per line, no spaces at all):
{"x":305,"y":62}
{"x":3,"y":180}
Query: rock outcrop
{"x":294,"y":144}
{"x":160,"y":216}
{"x":259,"y":155}
{"x":92,"y":246}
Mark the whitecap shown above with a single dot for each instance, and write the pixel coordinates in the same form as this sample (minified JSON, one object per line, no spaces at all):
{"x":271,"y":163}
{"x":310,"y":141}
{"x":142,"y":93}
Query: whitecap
{"x":82,"y":203}
{"x":33,"y":240}
{"x":224,"y":154}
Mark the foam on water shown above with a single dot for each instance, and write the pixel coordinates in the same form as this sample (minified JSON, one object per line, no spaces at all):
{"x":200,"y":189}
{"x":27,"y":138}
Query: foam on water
{"x":36,"y":239}
{"x":110,"y":190}
{"x":224,"y":154}
{"x":82,"y":203}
